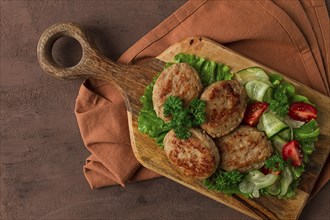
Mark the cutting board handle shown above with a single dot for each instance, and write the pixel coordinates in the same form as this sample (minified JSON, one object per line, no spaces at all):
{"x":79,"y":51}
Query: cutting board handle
{"x":92,"y":63}
{"x":86,"y":67}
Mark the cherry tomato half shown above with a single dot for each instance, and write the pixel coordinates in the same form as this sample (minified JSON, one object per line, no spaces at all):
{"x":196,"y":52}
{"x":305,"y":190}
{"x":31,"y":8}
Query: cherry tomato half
{"x":253,"y":113}
{"x":293,"y":152}
{"x":301,"y":111}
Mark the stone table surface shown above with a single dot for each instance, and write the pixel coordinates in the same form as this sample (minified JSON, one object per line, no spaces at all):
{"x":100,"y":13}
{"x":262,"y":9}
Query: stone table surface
{"x":42,"y":153}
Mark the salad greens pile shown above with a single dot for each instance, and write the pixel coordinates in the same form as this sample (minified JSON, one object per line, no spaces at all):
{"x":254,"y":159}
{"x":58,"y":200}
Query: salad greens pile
{"x":289,"y":123}
{"x":183,"y":119}
{"x":288,"y":120}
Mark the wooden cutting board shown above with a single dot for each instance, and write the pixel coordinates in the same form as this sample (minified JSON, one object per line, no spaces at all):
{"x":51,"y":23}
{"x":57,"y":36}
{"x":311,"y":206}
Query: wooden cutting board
{"x":132,"y":79}
{"x":264,"y":207}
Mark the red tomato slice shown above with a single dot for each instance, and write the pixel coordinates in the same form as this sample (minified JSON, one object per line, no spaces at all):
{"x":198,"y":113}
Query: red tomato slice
{"x":301,"y":111}
{"x":291,"y":151}
{"x":253,"y":113}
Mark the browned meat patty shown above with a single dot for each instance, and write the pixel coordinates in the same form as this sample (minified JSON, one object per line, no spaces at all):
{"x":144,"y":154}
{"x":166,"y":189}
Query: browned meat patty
{"x":177,"y":80}
{"x":225,"y":106}
{"x":197,"y":156}
{"x":244,"y":149}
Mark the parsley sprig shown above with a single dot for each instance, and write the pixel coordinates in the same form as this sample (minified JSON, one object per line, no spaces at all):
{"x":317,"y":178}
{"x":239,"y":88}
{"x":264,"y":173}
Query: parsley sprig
{"x":276,"y":163}
{"x":282,"y":94}
{"x":226,"y":182}
{"x":184,"y":118}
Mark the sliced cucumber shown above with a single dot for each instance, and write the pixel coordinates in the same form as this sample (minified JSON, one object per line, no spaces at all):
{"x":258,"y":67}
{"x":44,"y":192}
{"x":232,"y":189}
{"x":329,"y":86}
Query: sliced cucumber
{"x":268,"y":95}
{"x":260,"y":125}
{"x":274,"y":189}
{"x":254,"y":175}
{"x":278,"y":143}
{"x":255,"y":193}
{"x":287,"y":134}
{"x":256,"y":89}
{"x":261,"y":180}
{"x":271,"y":125}
{"x":293,"y":123}
{"x":290,"y":193}
{"x":286,"y":180}
{"x":256,"y":180}
{"x":251,"y":73}
{"x":246,"y":186}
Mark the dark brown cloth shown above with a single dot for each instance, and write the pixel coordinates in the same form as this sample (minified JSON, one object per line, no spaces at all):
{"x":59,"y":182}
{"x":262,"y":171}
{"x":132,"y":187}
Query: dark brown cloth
{"x":291,"y":37}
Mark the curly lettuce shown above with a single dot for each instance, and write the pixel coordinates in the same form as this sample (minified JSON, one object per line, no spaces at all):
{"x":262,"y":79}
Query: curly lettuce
{"x":209,"y":71}
{"x":148,"y":122}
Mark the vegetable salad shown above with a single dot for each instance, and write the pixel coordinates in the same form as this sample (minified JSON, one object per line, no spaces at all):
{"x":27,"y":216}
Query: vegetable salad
{"x":288,"y":119}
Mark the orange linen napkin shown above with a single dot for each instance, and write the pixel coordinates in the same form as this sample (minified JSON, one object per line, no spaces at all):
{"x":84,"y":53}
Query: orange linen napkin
{"x":291,"y":37}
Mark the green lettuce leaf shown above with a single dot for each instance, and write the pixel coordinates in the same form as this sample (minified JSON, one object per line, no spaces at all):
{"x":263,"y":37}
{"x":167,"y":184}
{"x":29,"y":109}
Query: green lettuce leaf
{"x":275,"y":79}
{"x":307,"y":147}
{"x":300,"y":98}
{"x":308,"y":132}
{"x":155,"y":127}
{"x":148,"y":122}
{"x":298,"y":171}
{"x":209,"y":71}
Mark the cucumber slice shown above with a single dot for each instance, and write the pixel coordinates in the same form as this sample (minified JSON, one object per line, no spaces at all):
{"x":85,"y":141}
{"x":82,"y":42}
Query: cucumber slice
{"x":256,"y":180}
{"x":251,"y":73}
{"x":278,"y":143}
{"x":261,"y":180}
{"x":255,"y":193}
{"x":254,"y":175}
{"x":274,"y":189}
{"x":268,"y":95}
{"x":256,"y":89}
{"x":293,"y":123}
{"x":271,"y":125}
{"x":287,"y":134}
{"x":260,"y":126}
{"x":286,"y":180}
{"x":290,"y":193}
{"x":246,"y":187}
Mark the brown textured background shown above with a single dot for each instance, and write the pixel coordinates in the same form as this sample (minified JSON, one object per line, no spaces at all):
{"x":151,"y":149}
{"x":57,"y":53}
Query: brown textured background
{"x":41,"y":149}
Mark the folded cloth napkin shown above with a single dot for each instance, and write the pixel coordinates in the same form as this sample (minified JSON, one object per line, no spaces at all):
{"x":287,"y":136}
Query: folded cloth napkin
{"x":291,"y":37}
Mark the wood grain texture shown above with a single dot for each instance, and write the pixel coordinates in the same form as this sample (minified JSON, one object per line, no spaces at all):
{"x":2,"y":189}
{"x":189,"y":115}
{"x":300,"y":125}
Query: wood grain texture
{"x":132,"y":84}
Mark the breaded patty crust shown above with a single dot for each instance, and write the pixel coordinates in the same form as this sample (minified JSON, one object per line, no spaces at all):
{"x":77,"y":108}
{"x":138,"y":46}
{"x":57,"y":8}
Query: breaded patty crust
{"x":225,"y":106}
{"x":179,"y":80}
{"x":197,"y":156}
{"x":244,"y":149}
